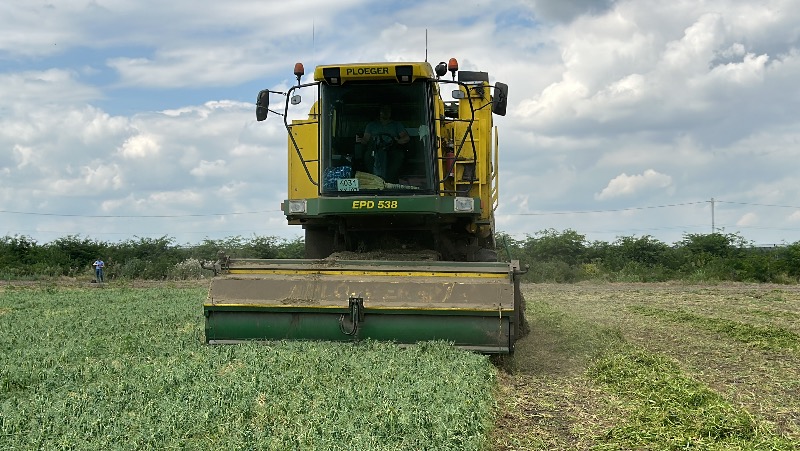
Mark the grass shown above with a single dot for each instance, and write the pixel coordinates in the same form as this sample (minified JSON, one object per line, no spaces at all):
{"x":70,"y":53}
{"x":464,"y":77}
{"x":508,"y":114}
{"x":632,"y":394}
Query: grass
{"x":769,"y":338}
{"x":126,"y":368}
{"x":668,"y":409}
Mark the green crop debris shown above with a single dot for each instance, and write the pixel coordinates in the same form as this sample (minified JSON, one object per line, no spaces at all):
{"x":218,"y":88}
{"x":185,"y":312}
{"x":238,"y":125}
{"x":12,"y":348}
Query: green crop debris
{"x":765,"y":337}
{"x":126,"y":368}
{"x":595,"y":373}
{"x":669,"y":410}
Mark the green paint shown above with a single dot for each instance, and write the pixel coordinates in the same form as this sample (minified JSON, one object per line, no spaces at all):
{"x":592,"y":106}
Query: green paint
{"x":383,"y":205}
{"x":484,"y":333}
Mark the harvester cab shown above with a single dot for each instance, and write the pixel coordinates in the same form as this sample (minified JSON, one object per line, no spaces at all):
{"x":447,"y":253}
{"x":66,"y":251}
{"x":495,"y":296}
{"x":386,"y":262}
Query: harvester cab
{"x":396,"y":190}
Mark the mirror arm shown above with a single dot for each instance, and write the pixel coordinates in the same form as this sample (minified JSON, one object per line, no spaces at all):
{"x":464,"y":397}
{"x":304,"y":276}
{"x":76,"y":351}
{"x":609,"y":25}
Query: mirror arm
{"x":262,"y":104}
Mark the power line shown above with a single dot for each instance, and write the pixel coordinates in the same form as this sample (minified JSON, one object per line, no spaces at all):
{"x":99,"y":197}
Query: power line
{"x":69,"y":215}
{"x":185,"y":232}
{"x":783,"y":229}
{"x":235,"y":213}
{"x":756,"y":205}
{"x":603,"y":211}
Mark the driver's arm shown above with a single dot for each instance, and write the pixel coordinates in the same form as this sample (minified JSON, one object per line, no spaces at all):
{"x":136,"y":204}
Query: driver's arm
{"x":403,"y":137}
{"x":367,"y":135}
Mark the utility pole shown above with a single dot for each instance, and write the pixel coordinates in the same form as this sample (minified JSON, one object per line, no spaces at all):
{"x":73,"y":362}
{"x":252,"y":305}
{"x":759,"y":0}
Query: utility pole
{"x":713,"y":228}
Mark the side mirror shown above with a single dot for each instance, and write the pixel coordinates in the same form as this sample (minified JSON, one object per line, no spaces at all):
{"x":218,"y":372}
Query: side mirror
{"x":500,"y":99}
{"x":458,"y":94}
{"x":296,"y":99}
{"x":262,"y":105}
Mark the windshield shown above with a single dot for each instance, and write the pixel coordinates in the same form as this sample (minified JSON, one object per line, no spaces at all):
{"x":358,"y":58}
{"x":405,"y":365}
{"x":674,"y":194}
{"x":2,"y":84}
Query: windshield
{"x":375,"y":137}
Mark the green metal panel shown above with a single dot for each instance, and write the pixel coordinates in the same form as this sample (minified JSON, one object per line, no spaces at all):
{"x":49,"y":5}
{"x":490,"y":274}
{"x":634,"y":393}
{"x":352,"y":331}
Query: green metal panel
{"x":488,"y":334}
{"x":383,"y":205}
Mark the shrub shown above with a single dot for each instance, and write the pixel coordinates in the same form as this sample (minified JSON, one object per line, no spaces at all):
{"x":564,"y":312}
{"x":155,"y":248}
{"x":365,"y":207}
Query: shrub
{"x":189,"y":269}
{"x":553,"y":271}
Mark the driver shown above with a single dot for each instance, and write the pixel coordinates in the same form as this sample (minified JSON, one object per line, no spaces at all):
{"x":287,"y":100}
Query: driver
{"x":382,"y":135}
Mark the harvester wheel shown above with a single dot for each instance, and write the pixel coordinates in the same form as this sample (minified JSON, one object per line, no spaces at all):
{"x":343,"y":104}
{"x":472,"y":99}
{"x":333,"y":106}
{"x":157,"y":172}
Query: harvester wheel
{"x":318,"y":242}
{"x":486,"y":255}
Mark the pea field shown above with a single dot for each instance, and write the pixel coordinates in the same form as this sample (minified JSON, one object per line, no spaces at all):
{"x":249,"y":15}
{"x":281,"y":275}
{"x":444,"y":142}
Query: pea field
{"x":606,"y":366}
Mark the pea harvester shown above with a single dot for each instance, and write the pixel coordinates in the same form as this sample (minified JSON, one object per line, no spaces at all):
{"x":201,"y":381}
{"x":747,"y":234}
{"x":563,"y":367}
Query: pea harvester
{"x":399,"y":228}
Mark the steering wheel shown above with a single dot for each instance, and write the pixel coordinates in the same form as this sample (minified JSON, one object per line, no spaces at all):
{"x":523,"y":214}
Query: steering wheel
{"x":384,"y":141}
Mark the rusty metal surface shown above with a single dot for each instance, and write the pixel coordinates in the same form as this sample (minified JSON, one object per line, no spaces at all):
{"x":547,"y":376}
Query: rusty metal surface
{"x":317,"y":290}
{"x":367,"y":266}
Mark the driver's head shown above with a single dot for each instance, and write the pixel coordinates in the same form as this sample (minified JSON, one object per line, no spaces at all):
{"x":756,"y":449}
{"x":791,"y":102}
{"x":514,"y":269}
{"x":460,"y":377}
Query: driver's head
{"x":385,"y":112}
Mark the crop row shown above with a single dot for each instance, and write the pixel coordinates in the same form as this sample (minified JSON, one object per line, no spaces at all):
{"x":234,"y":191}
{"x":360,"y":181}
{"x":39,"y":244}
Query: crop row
{"x":124,"y":367}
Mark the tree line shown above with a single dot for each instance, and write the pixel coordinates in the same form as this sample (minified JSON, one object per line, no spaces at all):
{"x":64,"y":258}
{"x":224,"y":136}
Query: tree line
{"x":162,"y":258}
{"x":566,"y":256}
{"x":550,"y":255}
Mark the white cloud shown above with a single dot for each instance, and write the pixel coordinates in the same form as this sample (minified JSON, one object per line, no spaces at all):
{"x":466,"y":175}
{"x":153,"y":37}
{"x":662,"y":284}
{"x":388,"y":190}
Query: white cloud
{"x":696,"y":46}
{"x":566,"y":11}
{"x":748,"y":219}
{"x":627,"y":185}
{"x":140,"y":146}
{"x":751,"y":70}
{"x":248,"y":151}
{"x":24,"y":156}
{"x":43,"y":90}
{"x":667,"y":73}
{"x":23,"y":18}
{"x":90,"y":181}
{"x":157,"y":115}
{"x":394,"y":32}
{"x":200,"y":66}
{"x":119,"y":204}
{"x":182,"y":198}
{"x":210,"y":169}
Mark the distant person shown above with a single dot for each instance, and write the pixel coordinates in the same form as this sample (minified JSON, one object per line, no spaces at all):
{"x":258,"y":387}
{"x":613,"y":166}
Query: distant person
{"x":382,"y":137}
{"x":98,"y":269}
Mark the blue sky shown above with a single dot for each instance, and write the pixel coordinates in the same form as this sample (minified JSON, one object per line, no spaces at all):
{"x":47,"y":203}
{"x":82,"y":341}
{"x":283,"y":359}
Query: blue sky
{"x":135,"y":118}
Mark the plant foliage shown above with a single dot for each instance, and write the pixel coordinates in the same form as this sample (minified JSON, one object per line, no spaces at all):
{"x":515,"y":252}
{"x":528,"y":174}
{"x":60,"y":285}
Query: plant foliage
{"x":553,"y":256}
{"x":120,"y":368}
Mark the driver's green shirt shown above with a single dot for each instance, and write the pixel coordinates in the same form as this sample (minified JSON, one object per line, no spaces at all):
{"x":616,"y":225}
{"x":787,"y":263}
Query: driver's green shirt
{"x":385,"y":165}
{"x":393,"y":128}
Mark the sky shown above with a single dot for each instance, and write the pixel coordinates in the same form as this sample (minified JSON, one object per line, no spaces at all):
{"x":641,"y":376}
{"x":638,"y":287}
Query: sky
{"x":129,"y":119}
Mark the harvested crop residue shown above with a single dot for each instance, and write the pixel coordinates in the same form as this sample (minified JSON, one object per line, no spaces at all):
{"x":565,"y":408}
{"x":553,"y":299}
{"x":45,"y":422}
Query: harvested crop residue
{"x":387,"y":255}
{"x":549,"y":396}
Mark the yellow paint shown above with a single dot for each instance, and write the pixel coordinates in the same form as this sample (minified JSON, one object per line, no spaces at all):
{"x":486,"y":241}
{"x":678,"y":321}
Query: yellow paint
{"x":305,"y":135}
{"x":479,"y":145}
{"x":339,"y":307}
{"x":299,"y":272}
{"x":374,"y":71}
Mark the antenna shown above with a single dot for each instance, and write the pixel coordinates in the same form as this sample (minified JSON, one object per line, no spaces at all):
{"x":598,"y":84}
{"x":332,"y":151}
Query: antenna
{"x":426,"y":45}
{"x":313,"y":51}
